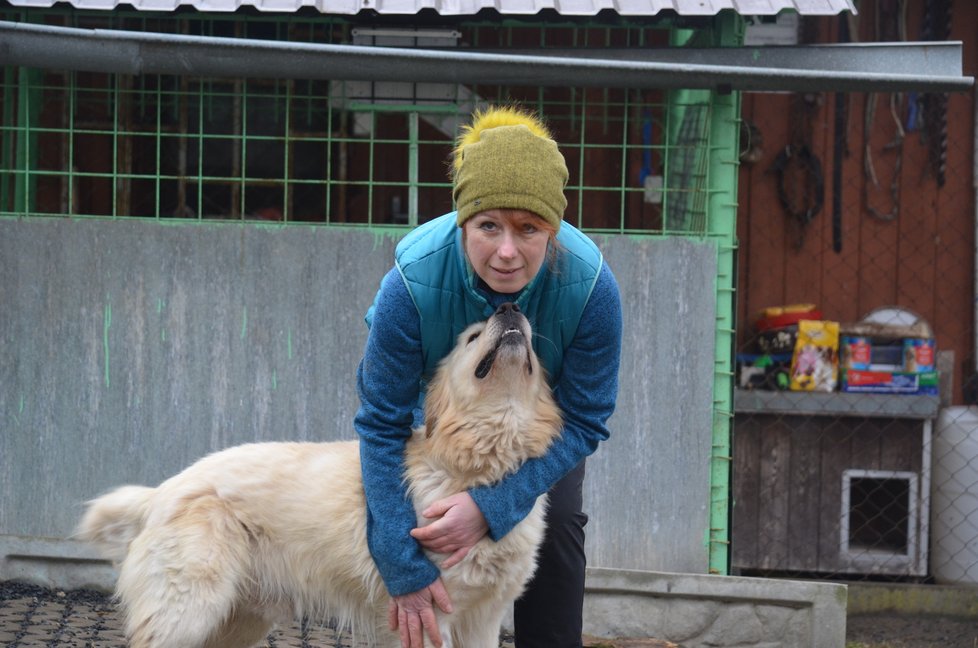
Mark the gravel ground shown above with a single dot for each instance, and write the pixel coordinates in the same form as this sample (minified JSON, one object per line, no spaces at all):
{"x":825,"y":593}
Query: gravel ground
{"x":32,"y":616}
{"x":910,"y":631}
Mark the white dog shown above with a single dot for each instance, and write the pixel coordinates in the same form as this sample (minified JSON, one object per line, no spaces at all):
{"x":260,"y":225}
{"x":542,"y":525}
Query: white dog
{"x":265,"y":532}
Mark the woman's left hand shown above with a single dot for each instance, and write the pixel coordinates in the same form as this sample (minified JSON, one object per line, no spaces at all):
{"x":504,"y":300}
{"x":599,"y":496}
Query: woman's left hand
{"x":459,"y":525}
{"x":413,"y":615}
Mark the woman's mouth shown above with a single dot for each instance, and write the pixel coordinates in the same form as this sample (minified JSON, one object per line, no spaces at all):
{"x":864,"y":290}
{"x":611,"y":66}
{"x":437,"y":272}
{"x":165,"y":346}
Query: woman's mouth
{"x":506,"y":271}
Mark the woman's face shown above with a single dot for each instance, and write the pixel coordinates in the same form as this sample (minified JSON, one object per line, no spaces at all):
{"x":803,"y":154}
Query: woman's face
{"x":506,"y":247}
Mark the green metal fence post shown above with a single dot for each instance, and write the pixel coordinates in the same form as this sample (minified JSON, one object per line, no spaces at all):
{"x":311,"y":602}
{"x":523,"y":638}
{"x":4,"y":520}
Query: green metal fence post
{"x":413,"y":135}
{"x":7,"y":155}
{"x":28,"y":108}
{"x":722,"y":227}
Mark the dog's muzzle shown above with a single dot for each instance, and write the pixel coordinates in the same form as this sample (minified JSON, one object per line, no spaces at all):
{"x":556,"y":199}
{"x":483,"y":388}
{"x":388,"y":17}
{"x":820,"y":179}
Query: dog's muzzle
{"x":509,"y":322}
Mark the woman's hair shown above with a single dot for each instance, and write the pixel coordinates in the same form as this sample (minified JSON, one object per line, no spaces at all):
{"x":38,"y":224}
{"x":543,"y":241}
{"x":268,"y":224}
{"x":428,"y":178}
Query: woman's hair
{"x":554,"y":248}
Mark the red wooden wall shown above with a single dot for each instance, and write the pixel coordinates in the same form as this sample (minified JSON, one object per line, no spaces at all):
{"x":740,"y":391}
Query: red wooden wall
{"x":921,"y":258}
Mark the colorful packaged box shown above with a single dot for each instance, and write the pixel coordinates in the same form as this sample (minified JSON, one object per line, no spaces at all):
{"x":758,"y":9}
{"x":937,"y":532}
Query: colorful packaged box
{"x":868,"y":354}
{"x":763,"y":371}
{"x":889,"y":382}
{"x":855,"y":352}
{"x":918,"y":354}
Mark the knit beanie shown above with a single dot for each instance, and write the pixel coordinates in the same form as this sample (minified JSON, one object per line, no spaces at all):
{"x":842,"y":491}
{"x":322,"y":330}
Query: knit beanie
{"x":507,"y":159}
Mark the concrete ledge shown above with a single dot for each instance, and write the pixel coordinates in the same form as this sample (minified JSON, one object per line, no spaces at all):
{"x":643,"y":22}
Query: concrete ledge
{"x":700,"y":610}
{"x":54,"y":562}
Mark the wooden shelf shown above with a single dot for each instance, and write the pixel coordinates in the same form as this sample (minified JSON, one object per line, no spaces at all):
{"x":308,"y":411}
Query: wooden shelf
{"x":759,"y":401}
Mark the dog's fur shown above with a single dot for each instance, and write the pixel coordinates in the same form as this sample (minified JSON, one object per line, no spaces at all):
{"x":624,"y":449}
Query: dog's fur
{"x":245,"y":537}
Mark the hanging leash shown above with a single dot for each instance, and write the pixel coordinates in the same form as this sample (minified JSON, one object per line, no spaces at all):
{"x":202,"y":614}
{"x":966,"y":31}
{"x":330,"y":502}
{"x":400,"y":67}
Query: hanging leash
{"x":937,"y":27}
{"x":800,"y":209}
{"x":895,"y":145}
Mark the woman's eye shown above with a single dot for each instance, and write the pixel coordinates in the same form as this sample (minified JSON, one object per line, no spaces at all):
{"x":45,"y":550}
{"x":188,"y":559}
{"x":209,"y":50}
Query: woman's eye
{"x":488,"y":226}
{"x":529,"y":229}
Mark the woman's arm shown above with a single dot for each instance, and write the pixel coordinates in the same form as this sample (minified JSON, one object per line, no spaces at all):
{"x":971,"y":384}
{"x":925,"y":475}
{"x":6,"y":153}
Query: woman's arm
{"x":388,"y":382}
{"x":586,"y":393}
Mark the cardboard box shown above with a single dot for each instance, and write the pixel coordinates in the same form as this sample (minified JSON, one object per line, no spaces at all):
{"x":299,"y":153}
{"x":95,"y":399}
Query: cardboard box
{"x":867,"y":354}
{"x":889,"y":382}
{"x":919,"y":354}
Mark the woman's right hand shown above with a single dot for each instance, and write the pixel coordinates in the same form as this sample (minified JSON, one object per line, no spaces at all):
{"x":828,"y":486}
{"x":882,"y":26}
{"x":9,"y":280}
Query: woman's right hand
{"x":458,"y":526}
{"x":413,"y":615}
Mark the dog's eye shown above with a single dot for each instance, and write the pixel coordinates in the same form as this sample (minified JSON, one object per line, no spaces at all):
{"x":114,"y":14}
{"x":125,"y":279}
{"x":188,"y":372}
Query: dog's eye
{"x":472,"y":337}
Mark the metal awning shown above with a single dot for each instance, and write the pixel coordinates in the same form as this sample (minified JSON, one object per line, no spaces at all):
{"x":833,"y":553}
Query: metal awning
{"x":471,"y":7}
{"x":888,"y":67}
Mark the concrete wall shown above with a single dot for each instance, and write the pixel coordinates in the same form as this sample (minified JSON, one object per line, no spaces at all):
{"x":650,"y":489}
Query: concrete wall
{"x":130,"y":349}
{"x":694,"y":610}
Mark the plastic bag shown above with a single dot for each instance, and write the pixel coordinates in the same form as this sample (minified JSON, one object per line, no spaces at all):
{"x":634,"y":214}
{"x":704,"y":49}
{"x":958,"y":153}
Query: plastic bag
{"x":815,"y":363}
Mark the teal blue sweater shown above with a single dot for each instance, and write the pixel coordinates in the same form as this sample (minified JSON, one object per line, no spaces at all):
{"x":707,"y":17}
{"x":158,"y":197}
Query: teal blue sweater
{"x":387,"y":380}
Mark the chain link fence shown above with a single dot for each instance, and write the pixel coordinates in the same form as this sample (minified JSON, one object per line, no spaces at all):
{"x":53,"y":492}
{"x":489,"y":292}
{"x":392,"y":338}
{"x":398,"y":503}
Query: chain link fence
{"x":855,"y":448}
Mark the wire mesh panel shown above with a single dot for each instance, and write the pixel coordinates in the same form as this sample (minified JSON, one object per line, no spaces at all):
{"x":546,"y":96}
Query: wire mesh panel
{"x":164,"y":147}
{"x":854,"y":448}
{"x":373,"y":153}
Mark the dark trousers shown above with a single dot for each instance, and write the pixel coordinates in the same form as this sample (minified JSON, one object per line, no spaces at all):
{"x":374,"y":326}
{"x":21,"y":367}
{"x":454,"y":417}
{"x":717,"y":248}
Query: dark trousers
{"x":548,"y":614}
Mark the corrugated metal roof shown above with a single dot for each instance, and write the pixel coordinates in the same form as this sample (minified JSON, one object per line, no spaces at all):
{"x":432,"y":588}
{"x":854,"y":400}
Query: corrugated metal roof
{"x":471,"y":7}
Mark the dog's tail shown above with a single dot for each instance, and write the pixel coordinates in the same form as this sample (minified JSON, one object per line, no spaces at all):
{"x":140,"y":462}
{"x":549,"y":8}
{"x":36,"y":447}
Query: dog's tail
{"x":112,"y":521}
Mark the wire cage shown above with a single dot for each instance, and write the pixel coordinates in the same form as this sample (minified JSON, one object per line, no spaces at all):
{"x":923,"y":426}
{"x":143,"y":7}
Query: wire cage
{"x":336,"y":152}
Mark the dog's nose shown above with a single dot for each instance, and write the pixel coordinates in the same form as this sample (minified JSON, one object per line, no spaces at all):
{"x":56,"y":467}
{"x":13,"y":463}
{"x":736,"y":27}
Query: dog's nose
{"x":507,"y":307}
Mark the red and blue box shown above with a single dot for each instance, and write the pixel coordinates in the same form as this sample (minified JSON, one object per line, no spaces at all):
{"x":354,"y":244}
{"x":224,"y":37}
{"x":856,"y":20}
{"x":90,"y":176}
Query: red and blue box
{"x":890,"y":367}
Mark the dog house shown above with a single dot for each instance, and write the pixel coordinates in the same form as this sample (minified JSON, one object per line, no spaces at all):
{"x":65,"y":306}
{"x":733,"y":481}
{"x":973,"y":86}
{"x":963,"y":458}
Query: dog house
{"x":832,"y":483}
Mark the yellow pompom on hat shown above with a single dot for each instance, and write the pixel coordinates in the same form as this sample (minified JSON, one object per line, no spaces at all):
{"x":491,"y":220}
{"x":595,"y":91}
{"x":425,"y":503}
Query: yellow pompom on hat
{"x":507,"y":159}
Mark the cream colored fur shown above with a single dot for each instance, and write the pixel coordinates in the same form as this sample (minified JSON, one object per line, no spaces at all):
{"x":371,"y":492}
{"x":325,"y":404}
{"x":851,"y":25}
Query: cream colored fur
{"x":267,"y":532}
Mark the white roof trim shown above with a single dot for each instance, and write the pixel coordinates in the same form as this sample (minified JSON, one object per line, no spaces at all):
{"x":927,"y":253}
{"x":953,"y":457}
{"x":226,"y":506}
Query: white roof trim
{"x":471,"y":7}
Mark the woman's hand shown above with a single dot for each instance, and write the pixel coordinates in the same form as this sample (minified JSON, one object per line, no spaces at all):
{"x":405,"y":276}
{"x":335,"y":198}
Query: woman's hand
{"x":459,"y":526}
{"x":413,"y":615}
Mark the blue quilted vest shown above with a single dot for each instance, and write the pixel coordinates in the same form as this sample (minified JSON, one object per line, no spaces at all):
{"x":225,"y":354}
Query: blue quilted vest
{"x":443,"y":286}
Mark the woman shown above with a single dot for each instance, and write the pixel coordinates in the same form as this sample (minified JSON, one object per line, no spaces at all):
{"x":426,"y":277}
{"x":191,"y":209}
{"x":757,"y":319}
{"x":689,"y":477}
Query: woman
{"x":506,"y":242}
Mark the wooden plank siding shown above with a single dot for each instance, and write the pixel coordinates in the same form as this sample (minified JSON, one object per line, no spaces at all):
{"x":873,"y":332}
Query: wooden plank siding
{"x":922,"y":258}
{"x":788,"y":491}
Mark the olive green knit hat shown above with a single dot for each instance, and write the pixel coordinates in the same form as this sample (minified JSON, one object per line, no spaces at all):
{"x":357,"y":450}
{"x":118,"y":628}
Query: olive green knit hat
{"x":507,"y":159}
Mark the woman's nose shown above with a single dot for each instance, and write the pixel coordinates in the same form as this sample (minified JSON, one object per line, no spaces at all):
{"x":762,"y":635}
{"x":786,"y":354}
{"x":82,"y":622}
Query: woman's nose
{"x":507,"y":246}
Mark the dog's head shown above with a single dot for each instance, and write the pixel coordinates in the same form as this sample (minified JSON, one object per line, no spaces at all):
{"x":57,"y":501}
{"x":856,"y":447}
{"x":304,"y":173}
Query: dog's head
{"x":489,"y":407}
